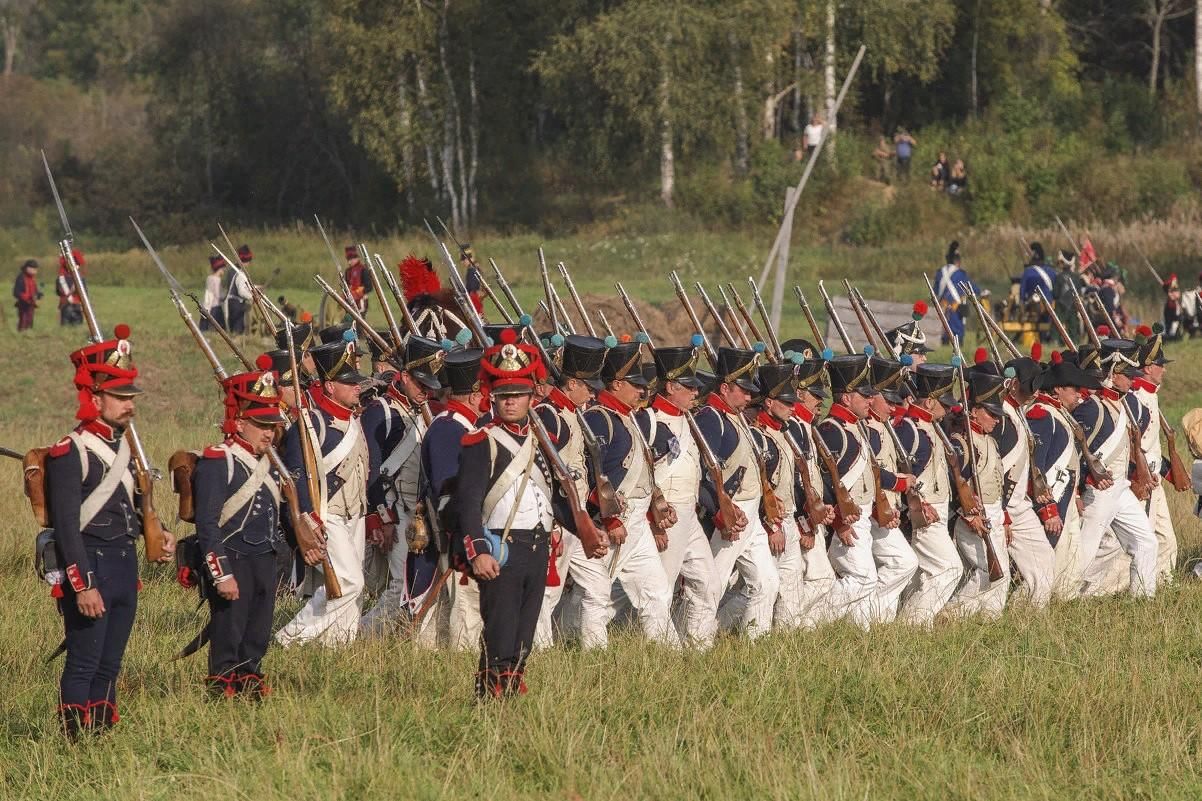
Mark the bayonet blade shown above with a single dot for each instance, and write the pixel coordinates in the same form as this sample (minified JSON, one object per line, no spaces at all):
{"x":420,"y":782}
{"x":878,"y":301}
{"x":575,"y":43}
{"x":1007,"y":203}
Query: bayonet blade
{"x":58,"y":201}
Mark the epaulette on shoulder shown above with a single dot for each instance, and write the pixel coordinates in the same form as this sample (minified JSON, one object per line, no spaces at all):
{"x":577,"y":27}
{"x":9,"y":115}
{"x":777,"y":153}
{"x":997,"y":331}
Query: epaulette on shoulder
{"x":473,"y":437}
{"x":61,"y":448}
{"x":214,"y":452}
{"x":1036,"y":413}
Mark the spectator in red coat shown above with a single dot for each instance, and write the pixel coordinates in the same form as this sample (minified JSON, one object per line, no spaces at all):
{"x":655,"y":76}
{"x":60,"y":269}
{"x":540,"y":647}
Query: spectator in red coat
{"x":27,"y":294}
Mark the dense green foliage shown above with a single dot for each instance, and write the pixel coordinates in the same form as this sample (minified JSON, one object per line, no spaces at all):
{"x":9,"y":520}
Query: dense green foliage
{"x":555,"y":115}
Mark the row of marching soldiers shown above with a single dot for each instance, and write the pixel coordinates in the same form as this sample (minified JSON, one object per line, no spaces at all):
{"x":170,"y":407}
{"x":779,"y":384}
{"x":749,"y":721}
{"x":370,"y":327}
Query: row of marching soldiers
{"x":511,"y":496}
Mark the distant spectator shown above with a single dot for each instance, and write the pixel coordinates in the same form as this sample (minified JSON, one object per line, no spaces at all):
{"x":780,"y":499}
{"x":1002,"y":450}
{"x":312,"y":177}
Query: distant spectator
{"x":812,"y":135}
{"x":940,"y":172}
{"x":27,"y":293}
{"x":905,"y":145}
{"x":212,"y":297}
{"x":957,"y":183}
{"x":883,"y":154}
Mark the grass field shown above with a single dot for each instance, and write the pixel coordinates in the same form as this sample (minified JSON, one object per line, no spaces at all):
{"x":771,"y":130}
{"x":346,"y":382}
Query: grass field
{"x":1095,"y":700}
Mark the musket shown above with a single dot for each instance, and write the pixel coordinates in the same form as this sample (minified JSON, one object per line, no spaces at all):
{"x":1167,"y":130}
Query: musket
{"x":605,"y":324}
{"x":862,"y":319}
{"x":633,"y":311}
{"x":308,"y":537}
{"x":1119,"y":331}
{"x":813,"y":498}
{"x":1056,"y":322}
{"x":549,"y":291}
{"x":329,"y":246}
{"x":662,"y":515}
{"x":843,"y":502}
{"x":998,"y":333}
{"x":309,"y":459}
{"x":984,"y":320}
{"x":975,"y":507}
{"x":455,"y":239}
{"x":594,"y":540}
{"x":568,"y":326}
{"x":758,"y":300}
{"x":1079,"y":305}
{"x":744,"y":339}
{"x":834,"y":318}
{"x":1178,"y":476}
{"x":881,"y":336}
{"x":1026,"y":249}
{"x":1071,"y":241}
{"x":967,"y":497}
{"x":221,"y":332}
{"x":726,"y":506}
{"x":389,"y":350}
{"x":488,"y":293}
{"x":710,"y":352}
{"x":882,"y":509}
{"x":1151,"y":269}
{"x":256,"y":293}
{"x":506,"y":290}
{"x":747,"y":318}
{"x":144,"y":471}
{"x":819,"y":340}
{"x":255,"y":296}
{"x":398,"y":339}
{"x":11,"y":454}
{"x":398,"y":296}
{"x":567,"y":281}
{"x":713,"y":310}
{"x":64,"y":248}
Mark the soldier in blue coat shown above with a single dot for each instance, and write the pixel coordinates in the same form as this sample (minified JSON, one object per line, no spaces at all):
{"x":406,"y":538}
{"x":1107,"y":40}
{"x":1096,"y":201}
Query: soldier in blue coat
{"x":237,"y":499}
{"x":93,"y":506}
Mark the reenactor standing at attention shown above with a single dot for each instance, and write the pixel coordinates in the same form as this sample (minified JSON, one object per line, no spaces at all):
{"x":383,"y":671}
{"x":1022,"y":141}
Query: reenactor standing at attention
{"x":394,"y":426}
{"x":739,"y":545}
{"x":94,"y":507}
{"x":1110,"y":504}
{"x":440,"y":450}
{"x":978,"y":593}
{"x":340,"y":505}
{"x":688,"y":557}
{"x":504,"y":498}
{"x":625,"y":463}
{"x":1152,"y":363}
{"x":237,"y":501}
{"x":851,"y":549}
{"x":577,"y":381}
{"x":70,"y":304}
{"x":896,"y":563}
{"x":939,"y":566}
{"x":357,"y":278}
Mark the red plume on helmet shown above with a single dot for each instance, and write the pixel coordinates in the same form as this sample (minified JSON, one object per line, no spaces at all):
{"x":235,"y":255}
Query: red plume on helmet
{"x":418,"y":278}
{"x":981,"y":356}
{"x":1037,"y":352}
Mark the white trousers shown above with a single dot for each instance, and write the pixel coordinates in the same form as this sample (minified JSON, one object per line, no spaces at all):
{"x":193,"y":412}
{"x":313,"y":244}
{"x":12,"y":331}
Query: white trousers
{"x":1068,"y":556}
{"x":333,"y":622}
{"x":977,"y":594}
{"x":939,"y":572}
{"x":1166,"y":535}
{"x":856,"y":586}
{"x":572,"y":552}
{"x":464,"y":624}
{"x":817,"y":603}
{"x":750,"y":557}
{"x":690,"y":561}
{"x":788,"y":612}
{"x":1119,"y":510}
{"x":896,"y":565}
{"x":637,"y":568}
{"x":1033,"y":554}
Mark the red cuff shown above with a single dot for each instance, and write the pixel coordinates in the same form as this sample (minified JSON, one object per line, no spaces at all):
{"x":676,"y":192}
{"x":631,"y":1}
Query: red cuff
{"x":612,"y":522}
{"x":469,"y":548}
{"x":76,"y":580}
{"x":718,"y":521}
{"x":1049,"y":512}
{"x":1006,"y":518}
{"x":213,"y":562}
{"x":901,"y":485}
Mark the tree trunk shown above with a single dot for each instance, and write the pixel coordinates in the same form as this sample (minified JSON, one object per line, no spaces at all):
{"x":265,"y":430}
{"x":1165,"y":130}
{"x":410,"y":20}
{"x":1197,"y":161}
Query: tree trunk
{"x":12,"y":32}
{"x":667,"y":156}
{"x":453,"y":128}
{"x":795,"y":112}
{"x":1156,"y":13}
{"x":1198,"y":60}
{"x":408,"y":168}
{"x":423,"y":106}
{"x":742,"y":126}
{"x":976,"y":31}
{"x":473,"y":123}
{"x":829,"y":78}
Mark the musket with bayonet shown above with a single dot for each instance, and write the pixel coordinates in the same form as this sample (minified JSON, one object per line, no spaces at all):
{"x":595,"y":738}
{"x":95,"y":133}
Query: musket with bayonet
{"x":819,"y":339}
{"x":633,"y":311}
{"x":1148,"y":264}
{"x":609,"y":329}
{"x":549,"y":291}
{"x":256,"y":292}
{"x":145,"y":473}
{"x":882,"y":337}
{"x":398,"y":339}
{"x":506,"y":290}
{"x":527,"y":323}
{"x":884,"y":347}
{"x":608,"y":503}
{"x":309,"y":537}
{"x":398,"y":296}
{"x":968,"y":496}
{"x":11,"y":454}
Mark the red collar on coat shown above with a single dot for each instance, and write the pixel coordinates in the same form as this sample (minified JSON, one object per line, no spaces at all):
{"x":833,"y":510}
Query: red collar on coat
{"x":844,"y":414}
{"x":662,"y":404}
{"x":327,"y":404}
{"x":462,"y":408}
{"x":606,"y":399}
